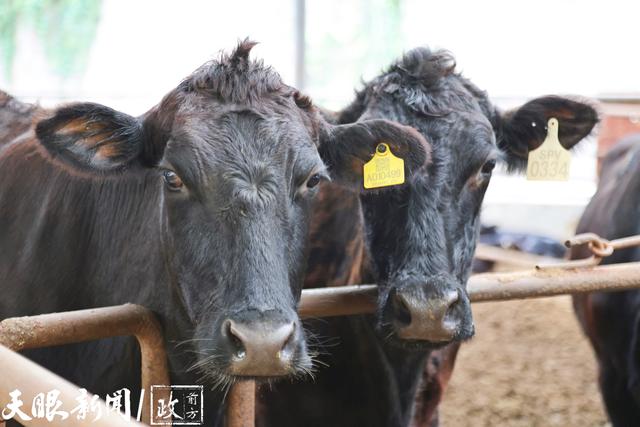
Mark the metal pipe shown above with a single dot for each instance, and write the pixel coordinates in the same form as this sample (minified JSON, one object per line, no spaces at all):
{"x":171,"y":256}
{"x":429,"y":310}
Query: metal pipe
{"x":511,"y":257}
{"x":299,"y":45}
{"x":600,"y":246}
{"x":553,"y":281}
{"x":241,"y":405}
{"x":625,"y":242}
{"x":361,"y":299}
{"x":53,"y":329}
{"x":338,"y":301}
{"x":35,"y":379}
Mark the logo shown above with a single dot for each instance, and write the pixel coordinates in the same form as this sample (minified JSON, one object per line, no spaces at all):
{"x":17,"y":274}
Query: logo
{"x":178,"y":405}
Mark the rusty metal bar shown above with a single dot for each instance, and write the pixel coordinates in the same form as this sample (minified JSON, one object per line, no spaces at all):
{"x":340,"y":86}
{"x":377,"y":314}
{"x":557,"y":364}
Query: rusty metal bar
{"x":241,"y":405}
{"x":511,"y":257}
{"x":625,"y":242}
{"x":599,"y":247}
{"x":35,"y":379}
{"x":600,"y":244}
{"x":53,"y":329}
{"x":592,"y":261}
{"x":338,"y":301}
{"x":551,"y":282}
{"x":360,"y":299}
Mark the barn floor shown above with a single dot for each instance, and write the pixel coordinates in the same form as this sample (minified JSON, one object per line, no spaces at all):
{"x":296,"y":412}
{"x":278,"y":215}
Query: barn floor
{"x":529,"y":365}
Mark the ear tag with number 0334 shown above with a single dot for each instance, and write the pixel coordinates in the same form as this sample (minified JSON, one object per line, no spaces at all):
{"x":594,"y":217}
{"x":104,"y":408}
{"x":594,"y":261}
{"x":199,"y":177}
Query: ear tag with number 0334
{"x":550,"y":161}
{"x":384,"y":169}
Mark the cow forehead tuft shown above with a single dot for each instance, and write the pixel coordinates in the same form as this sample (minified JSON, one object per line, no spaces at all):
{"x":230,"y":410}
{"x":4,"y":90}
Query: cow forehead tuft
{"x":236,"y":78}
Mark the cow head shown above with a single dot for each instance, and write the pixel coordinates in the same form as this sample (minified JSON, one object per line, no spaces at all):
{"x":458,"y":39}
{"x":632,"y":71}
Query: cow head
{"x":422,"y":235}
{"x":234,"y":157}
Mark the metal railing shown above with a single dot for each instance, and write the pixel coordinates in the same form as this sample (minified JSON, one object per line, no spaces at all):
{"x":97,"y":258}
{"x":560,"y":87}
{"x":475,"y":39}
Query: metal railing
{"x":511,"y":258}
{"x":85,"y":325}
{"x":600,"y":248}
{"x":46,"y":330}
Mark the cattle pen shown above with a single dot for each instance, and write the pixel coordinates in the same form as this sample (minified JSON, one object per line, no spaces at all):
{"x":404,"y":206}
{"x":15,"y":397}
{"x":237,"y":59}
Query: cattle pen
{"x":545,"y":280}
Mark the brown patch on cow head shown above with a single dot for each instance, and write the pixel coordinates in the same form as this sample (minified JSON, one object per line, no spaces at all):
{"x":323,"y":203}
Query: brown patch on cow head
{"x":92,"y":136}
{"x":108,"y":151}
{"x":96,"y":140}
{"x":356,"y":166}
{"x":76,"y":126}
{"x":561,"y":114}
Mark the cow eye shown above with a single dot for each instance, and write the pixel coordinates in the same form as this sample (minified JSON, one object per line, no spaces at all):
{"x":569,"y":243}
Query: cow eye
{"x":314,"y":180}
{"x":174,"y":183}
{"x":310,"y":186}
{"x":488,"y":167}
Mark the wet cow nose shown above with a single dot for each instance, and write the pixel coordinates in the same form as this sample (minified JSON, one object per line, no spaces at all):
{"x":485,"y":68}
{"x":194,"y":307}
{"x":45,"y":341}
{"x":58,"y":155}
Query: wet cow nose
{"x":427,"y":319}
{"x":260,"y":348}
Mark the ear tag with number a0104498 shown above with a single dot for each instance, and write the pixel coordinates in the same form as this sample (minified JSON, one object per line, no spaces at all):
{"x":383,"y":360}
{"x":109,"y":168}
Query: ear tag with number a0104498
{"x":550,"y":161}
{"x":384,"y":169}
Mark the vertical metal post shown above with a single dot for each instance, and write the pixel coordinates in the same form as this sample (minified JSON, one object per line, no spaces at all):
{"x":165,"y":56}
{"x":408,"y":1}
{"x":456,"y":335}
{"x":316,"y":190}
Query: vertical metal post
{"x":299,"y":37}
{"x":241,"y":407}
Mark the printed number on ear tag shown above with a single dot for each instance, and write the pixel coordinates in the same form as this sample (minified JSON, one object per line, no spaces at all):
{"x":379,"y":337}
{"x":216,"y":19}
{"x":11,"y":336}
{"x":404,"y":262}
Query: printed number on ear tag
{"x":550,"y":161}
{"x":384,"y":169}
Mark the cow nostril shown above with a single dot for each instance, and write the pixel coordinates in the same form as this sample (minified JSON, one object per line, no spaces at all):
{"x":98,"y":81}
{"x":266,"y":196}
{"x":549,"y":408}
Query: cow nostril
{"x":262,"y":348}
{"x":238,"y":348}
{"x":433,"y":318}
{"x":401,"y":309}
{"x":288,"y":348}
{"x":451,"y":302}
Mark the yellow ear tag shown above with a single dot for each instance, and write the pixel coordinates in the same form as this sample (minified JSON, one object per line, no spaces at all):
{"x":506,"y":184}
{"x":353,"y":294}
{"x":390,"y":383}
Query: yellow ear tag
{"x":550,"y":161}
{"x":384,"y":169}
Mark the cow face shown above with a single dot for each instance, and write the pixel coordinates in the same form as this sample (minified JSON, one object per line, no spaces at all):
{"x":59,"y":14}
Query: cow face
{"x":422,"y":235}
{"x":235,"y":156}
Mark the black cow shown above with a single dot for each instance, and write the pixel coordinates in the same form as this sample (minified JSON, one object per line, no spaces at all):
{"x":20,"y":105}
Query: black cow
{"x":198,"y":210}
{"x":611,"y":320}
{"x":416,"y":241}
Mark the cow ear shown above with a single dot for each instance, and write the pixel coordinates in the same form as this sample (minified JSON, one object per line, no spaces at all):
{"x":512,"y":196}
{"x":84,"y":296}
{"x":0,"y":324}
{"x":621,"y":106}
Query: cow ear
{"x":525,"y":128}
{"x":93,"y":137}
{"x":346,"y":148}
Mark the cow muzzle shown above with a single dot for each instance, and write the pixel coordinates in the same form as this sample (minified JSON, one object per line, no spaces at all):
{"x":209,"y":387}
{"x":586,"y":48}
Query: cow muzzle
{"x":437,"y":312}
{"x":262,"y":349}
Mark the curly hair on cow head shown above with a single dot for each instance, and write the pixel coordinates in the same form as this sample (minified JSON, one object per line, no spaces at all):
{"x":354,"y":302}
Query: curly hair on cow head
{"x":424,"y":81}
{"x":425,"y":65}
{"x":235,"y":77}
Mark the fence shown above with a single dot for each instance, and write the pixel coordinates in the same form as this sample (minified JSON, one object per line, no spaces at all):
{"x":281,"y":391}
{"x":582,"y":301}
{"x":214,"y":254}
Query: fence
{"x":46,"y":330}
{"x":85,"y":325}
